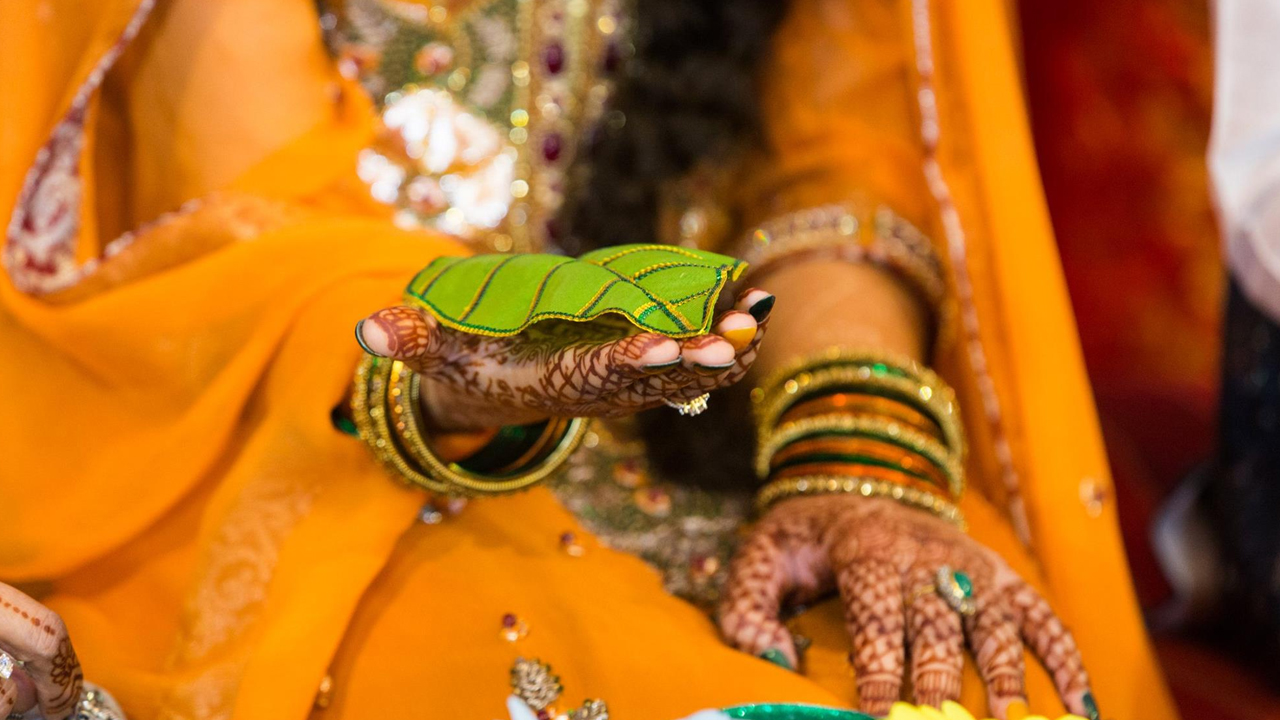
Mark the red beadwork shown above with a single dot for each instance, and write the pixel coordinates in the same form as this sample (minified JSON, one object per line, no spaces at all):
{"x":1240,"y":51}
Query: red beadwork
{"x":612,"y":57}
{"x":553,"y":57}
{"x":551,"y":146}
{"x":508,"y":620}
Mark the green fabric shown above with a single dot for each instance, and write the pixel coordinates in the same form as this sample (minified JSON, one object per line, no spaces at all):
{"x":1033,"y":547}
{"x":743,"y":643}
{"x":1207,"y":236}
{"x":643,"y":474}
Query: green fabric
{"x":788,"y":711}
{"x":659,"y":288}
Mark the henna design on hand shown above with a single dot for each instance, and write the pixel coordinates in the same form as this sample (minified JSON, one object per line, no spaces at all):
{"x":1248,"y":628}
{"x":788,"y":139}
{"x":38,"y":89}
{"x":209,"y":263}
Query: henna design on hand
{"x":8,"y":696}
{"x":883,"y":556}
{"x":68,"y":680}
{"x":553,"y":368}
{"x":36,"y":635}
{"x":936,"y":640}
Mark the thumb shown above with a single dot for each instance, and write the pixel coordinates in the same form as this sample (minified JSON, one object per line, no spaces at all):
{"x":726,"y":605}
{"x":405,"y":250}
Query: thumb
{"x":401,"y":333}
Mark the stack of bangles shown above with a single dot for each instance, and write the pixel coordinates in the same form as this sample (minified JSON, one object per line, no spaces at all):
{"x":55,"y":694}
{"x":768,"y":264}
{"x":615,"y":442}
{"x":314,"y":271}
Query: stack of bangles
{"x":869,"y":423}
{"x":386,"y":409}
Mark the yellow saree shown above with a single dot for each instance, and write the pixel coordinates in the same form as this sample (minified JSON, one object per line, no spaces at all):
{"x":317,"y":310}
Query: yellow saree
{"x":185,"y":263}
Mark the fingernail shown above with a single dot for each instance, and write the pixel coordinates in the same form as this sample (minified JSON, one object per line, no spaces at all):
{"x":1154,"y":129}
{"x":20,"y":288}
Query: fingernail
{"x":1090,"y":706}
{"x":739,"y":338}
{"x":776,"y":656}
{"x":360,"y":339}
{"x":713,"y":369}
{"x":762,"y":308}
{"x":659,"y":367}
{"x":1016,"y":710}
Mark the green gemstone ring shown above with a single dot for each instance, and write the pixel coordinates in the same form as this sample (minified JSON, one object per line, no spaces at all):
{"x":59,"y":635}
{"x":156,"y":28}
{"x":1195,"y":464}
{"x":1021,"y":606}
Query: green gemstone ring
{"x":957,"y":589}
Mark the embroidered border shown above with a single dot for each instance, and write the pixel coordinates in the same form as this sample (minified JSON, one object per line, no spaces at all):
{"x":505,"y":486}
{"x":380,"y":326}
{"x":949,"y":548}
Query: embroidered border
{"x":40,"y":242}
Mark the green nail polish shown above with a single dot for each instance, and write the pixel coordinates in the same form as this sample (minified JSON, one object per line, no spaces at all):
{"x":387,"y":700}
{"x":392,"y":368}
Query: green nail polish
{"x":775,"y":656}
{"x":1090,"y":706}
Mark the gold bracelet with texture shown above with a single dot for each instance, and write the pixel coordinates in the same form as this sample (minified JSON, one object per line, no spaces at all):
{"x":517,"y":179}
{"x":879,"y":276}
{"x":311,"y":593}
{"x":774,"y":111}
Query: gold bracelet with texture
{"x":779,"y":490}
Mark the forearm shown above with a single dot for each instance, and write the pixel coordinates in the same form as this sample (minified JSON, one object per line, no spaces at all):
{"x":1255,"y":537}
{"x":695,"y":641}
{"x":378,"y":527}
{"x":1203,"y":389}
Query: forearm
{"x":825,"y":303}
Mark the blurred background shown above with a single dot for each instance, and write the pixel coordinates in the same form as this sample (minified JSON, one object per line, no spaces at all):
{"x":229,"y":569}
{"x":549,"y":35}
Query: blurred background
{"x":1120,"y":97}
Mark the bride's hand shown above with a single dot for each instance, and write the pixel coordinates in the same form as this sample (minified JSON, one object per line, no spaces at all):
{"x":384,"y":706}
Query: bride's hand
{"x":49,"y":676}
{"x":883,"y":557}
{"x":560,"y":368}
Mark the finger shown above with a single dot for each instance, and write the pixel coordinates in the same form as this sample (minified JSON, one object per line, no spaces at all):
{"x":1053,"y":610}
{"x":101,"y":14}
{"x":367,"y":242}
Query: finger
{"x":683,"y":383}
{"x":875,"y":619}
{"x":936,"y":639}
{"x":591,"y":373}
{"x":997,"y":649}
{"x":26,"y":691}
{"x":403,"y":333}
{"x":738,"y":328}
{"x":755,"y":301}
{"x":36,"y":635}
{"x":8,"y":697}
{"x":707,"y":354}
{"x":698,"y":384}
{"x":780,"y":558}
{"x":1053,"y":644}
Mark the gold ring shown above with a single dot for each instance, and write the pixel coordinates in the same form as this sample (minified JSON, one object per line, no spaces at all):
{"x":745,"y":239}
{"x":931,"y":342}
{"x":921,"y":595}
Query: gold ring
{"x":690,"y":407}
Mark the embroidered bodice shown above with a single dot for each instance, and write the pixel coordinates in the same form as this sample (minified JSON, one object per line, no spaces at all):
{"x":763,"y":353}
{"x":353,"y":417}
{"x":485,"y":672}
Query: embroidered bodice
{"x":483,"y":103}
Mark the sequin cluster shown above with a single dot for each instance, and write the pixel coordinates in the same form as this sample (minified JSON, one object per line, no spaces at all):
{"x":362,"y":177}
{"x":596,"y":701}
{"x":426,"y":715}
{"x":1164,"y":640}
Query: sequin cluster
{"x":536,"y":689}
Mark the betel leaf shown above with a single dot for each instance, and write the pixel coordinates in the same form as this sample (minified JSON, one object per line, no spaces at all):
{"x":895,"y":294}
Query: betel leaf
{"x":660,"y":288}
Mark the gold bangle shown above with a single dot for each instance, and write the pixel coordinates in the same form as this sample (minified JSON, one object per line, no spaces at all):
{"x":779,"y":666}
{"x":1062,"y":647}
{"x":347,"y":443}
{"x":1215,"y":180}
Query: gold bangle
{"x":931,"y":397}
{"x":384,"y":403}
{"x":932,"y":394}
{"x":460,"y":479}
{"x":861,"y":403}
{"x":889,"y":431}
{"x":371,"y":424}
{"x":866,"y":487}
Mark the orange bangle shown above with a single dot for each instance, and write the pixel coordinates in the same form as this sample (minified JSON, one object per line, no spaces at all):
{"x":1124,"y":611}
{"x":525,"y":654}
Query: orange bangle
{"x":874,"y":472}
{"x":870,"y":447}
{"x":862,"y":404}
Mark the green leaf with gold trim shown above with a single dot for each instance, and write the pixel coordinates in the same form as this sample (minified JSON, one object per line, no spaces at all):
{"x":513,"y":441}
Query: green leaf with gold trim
{"x":659,"y":288}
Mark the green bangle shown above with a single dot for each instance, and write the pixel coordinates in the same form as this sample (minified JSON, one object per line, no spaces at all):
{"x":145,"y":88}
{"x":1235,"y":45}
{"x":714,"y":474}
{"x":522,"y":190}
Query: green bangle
{"x":825,"y":457}
{"x":509,"y":444}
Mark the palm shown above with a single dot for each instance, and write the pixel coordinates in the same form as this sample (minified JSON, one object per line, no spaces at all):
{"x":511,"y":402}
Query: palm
{"x":559,"y":368}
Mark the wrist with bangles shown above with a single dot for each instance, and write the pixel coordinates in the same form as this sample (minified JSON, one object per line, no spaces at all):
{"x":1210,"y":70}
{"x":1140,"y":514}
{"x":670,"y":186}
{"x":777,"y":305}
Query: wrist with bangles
{"x":387,"y":413}
{"x":858,"y":422}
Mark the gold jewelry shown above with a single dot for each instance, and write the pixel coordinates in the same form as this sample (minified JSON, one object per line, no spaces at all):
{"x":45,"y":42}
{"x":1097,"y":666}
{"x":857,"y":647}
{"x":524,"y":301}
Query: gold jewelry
{"x":888,"y":431}
{"x":463,"y":480}
{"x":862,"y":403}
{"x":835,"y":366}
{"x":385,"y":406}
{"x":850,"y":233}
{"x":368,"y":410}
{"x":956,"y":589}
{"x":866,"y":487}
{"x":690,"y":407}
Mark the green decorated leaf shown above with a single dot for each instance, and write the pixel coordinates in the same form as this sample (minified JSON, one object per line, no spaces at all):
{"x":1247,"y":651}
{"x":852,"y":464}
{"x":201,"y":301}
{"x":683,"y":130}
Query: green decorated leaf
{"x":660,"y":288}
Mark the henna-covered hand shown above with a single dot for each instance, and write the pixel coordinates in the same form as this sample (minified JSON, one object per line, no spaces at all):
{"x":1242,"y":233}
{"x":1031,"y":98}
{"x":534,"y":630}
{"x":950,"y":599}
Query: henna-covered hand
{"x":882,"y":557}
{"x":49,"y":677}
{"x":561,"y":368}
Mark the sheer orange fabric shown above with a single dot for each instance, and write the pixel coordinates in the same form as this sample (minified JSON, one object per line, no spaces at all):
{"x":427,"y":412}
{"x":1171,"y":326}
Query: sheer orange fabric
{"x":216,"y":547}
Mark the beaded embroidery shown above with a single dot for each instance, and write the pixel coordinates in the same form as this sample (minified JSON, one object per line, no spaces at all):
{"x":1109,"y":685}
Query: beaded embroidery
{"x":483,"y":105}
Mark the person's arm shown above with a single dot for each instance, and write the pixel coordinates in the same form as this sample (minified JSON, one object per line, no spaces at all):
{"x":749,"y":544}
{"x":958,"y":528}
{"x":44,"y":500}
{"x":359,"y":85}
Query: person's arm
{"x":857,"y":497}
